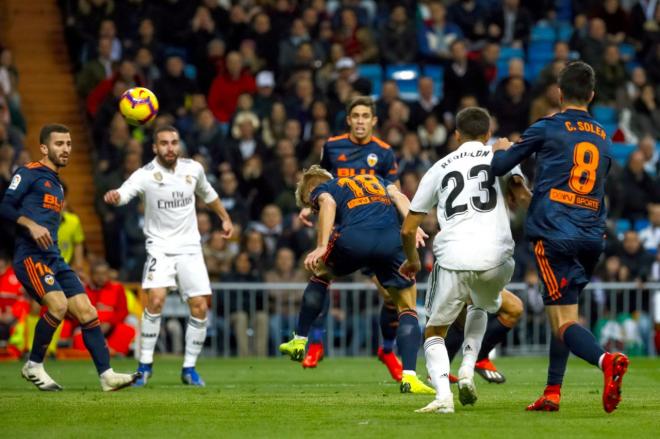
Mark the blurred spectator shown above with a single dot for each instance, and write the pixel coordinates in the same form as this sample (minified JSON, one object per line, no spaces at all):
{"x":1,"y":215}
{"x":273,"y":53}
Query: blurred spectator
{"x":632,"y":88}
{"x":284,"y":304}
{"x":263,"y":37}
{"x":412,"y":158}
{"x":228,"y":86}
{"x":126,"y":74}
{"x":426,"y":104}
{"x":248,"y":315}
{"x":206,"y":137}
{"x":173,"y":88}
{"x":647,"y":145}
{"x":545,"y":105}
{"x":96,"y":70}
{"x":615,"y":18}
{"x":70,"y":236}
{"x":610,"y":76}
{"x":231,"y":198}
{"x":471,"y":16}
{"x":638,"y":187}
{"x":358,"y":41}
{"x":398,"y":42}
{"x":633,"y":256}
{"x":436,"y":36}
{"x":270,"y":227}
{"x":512,"y":111}
{"x":211,"y":65}
{"x":463,"y":77}
{"x":488,"y":58}
{"x":244,"y":143}
{"x":511,"y":24}
{"x":650,"y":235}
{"x":432,"y":135}
{"x":10,"y":292}
{"x":646,"y":114}
{"x":218,"y":256}
{"x":108,"y":30}
{"x":287,"y":48}
{"x":591,"y":46}
{"x":264,"y":97}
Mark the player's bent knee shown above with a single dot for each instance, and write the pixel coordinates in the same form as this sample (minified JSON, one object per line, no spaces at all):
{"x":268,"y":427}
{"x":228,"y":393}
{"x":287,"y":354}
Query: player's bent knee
{"x":57,"y":306}
{"x":512,"y":307}
{"x":198,"y":309}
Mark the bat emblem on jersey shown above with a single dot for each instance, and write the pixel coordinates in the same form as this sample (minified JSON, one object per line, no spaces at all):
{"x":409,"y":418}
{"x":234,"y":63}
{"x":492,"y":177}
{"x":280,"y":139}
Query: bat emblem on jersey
{"x":158,"y":176}
{"x":49,"y":279}
{"x":372,"y":159}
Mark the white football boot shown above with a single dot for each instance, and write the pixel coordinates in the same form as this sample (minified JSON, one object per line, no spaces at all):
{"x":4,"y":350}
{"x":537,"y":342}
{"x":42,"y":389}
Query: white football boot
{"x":37,"y":375}
{"x":111,"y":380}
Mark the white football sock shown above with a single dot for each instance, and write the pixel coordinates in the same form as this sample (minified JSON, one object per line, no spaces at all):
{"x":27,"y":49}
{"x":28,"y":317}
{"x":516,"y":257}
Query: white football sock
{"x":437,"y":363}
{"x":149,"y":330}
{"x":475,"y":328}
{"x":195,"y":337}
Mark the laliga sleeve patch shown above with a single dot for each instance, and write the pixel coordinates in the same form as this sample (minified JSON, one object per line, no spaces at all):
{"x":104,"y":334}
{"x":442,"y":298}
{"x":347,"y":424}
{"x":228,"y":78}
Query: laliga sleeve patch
{"x":15,"y":182}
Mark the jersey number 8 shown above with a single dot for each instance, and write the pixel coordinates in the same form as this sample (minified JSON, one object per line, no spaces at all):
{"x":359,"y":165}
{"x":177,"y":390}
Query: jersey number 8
{"x":585,"y":164}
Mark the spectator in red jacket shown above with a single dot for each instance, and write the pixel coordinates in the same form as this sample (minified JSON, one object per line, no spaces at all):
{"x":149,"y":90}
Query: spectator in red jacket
{"x":10,"y":293}
{"x":109,"y":299}
{"x":228,"y":86}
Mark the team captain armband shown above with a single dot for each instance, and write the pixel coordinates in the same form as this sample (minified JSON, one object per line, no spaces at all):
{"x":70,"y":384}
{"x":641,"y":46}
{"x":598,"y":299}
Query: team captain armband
{"x":565,"y":197}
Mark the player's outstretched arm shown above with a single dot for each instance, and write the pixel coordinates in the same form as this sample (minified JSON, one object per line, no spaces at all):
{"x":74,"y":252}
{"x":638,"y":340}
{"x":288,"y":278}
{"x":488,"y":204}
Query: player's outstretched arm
{"x":327,"y":213}
{"x":305,"y":216}
{"x":412,"y":264}
{"x":226,"y":224}
{"x":402,"y":204}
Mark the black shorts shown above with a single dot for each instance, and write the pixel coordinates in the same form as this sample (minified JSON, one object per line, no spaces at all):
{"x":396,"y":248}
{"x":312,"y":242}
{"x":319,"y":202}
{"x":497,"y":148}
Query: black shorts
{"x":41,"y":274}
{"x":566,"y":268}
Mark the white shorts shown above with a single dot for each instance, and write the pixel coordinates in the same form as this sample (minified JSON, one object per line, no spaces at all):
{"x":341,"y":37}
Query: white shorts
{"x":449,"y":290}
{"x":187,"y":272}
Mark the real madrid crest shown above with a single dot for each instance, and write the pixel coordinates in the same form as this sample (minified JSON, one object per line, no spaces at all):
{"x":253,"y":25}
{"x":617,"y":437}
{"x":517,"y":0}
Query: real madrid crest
{"x":189,"y":179}
{"x":372,"y":159}
{"x":158,"y":176}
{"x":49,"y":279}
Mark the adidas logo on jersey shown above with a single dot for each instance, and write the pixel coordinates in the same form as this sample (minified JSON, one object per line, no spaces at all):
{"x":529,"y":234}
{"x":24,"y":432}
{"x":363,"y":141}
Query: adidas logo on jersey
{"x":342,"y":158}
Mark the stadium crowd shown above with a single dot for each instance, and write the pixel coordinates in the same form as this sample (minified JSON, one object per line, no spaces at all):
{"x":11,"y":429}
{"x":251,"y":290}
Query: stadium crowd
{"x":256,"y":88}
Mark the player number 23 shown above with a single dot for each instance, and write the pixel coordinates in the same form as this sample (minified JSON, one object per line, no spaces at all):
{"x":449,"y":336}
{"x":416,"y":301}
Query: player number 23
{"x":585,"y":165}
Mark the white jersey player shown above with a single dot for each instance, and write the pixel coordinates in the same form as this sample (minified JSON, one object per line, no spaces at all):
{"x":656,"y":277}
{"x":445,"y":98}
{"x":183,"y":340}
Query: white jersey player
{"x":168,"y":186}
{"x":473,"y":250}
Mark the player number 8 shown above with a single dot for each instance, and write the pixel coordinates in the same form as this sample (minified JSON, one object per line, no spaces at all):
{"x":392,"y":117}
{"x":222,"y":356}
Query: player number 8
{"x":583,"y":174}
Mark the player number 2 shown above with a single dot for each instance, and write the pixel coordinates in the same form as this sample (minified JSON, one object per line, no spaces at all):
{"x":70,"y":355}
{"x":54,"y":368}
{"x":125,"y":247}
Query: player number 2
{"x":585,"y":165}
{"x":361,"y":183}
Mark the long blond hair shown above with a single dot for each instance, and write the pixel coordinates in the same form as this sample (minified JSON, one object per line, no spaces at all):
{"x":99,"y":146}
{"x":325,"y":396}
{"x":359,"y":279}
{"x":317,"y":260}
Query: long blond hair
{"x":311,"y":178}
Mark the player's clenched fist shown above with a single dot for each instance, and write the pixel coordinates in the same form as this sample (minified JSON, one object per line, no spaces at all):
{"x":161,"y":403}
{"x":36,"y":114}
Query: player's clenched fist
{"x":112,"y":197}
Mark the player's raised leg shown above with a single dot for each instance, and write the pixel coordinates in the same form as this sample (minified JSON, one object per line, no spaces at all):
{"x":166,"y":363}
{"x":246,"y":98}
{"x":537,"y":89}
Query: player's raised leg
{"x":195,"y":337}
{"x":149,"y":331}
{"x":33,"y":370}
{"x":82,"y":309}
{"x":314,"y":298}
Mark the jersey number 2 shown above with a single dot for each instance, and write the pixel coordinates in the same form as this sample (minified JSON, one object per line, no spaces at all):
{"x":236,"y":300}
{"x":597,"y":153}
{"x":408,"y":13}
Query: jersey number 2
{"x":585,"y":165}
{"x":487,"y":185}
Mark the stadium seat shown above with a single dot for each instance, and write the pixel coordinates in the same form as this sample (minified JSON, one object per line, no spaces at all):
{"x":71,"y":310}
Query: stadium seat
{"x":622,"y":226}
{"x":542,"y":51}
{"x":374,"y":73}
{"x":610,"y":128}
{"x":564,"y":31}
{"x":406,"y":76}
{"x":627,"y":51}
{"x":604,"y":114}
{"x":641,"y":224}
{"x":543,"y":32}
{"x":621,"y":151}
{"x":506,"y":53}
{"x":533,"y":69}
{"x":190,"y":71}
{"x":436,"y":73}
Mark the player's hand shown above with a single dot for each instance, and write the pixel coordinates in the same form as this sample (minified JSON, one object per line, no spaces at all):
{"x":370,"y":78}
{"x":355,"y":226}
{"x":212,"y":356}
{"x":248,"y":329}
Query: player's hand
{"x":314,"y":258}
{"x":41,"y":236}
{"x":502,"y":144}
{"x":420,"y":238}
{"x":304,"y":216}
{"x":112,"y":197}
{"x":227,"y":228}
{"x":410,"y":269}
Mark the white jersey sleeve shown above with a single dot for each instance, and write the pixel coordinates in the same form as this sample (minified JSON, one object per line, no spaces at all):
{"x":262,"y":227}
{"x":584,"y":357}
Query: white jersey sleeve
{"x":131,"y":188}
{"x":203,"y":189}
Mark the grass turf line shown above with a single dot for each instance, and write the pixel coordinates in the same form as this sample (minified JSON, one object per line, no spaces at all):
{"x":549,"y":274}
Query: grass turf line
{"x":343,"y":398}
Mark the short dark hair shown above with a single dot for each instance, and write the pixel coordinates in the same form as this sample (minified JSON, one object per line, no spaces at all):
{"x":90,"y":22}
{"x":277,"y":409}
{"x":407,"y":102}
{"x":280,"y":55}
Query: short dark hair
{"x":164,"y":129}
{"x":473,"y":122}
{"x":577,"y":82}
{"x":361,"y":100}
{"x":47,"y":130}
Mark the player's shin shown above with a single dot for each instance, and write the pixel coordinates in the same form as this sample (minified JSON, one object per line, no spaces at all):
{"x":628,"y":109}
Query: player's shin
{"x":581,"y":342}
{"x":496,"y":332}
{"x":389,"y":321}
{"x":475,"y":328}
{"x":95,"y":343}
{"x":312,"y":305}
{"x":408,"y":339}
{"x":149,"y":330}
{"x":557,"y":367}
{"x":195,"y":337}
{"x":437,"y":364}
{"x":43,"y":334}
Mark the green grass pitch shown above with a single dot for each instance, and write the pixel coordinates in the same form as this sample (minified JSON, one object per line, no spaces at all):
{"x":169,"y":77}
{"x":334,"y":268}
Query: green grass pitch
{"x":343,"y":398}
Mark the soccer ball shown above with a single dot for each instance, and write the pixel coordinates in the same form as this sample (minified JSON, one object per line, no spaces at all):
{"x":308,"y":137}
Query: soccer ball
{"x":138,"y":105}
